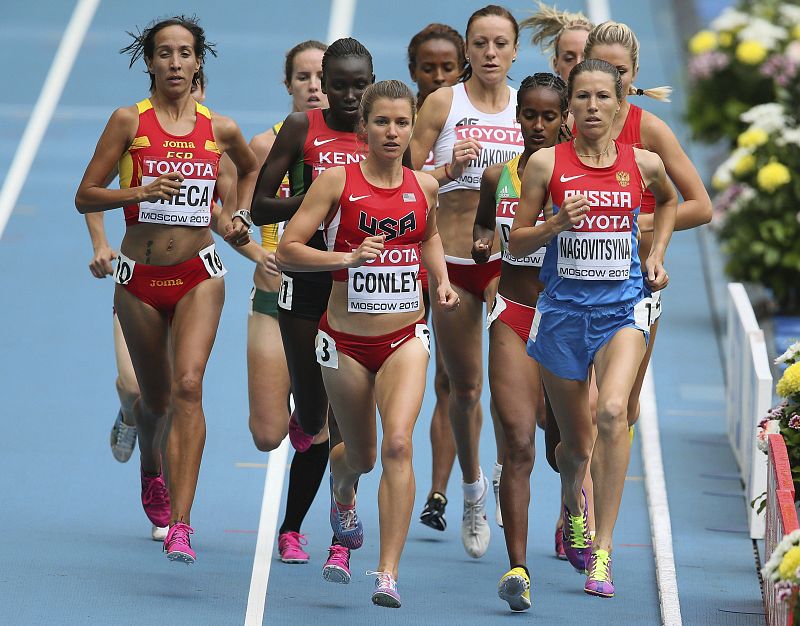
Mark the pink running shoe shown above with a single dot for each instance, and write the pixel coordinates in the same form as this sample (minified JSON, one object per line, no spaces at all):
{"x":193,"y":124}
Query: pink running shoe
{"x":289,"y":547}
{"x":297,"y":436}
{"x":177,"y":545}
{"x":560,"y":554}
{"x":155,"y":499}
{"x":337,"y":567}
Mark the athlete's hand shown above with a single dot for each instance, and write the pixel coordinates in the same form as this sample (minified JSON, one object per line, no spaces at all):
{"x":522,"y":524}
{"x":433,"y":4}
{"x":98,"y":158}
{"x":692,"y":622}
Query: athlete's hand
{"x":267,"y":263}
{"x":163,"y":188}
{"x":368,"y":251}
{"x":447,"y":297}
{"x":657,"y":277}
{"x":237,"y":233}
{"x":572,"y":212}
{"x":101,"y":266}
{"x":464,"y":151}
{"x":481,"y":250}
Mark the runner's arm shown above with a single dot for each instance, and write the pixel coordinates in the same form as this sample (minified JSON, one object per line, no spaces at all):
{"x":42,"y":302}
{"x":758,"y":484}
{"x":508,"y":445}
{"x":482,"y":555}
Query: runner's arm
{"x":486,"y":216}
{"x":656,"y":180}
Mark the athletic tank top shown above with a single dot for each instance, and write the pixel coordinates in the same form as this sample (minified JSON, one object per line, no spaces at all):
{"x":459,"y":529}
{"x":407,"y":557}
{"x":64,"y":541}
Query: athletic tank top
{"x":631,"y":134}
{"x":271,"y":233}
{"x":154,"y":152}
{"x":389,"y":284}
{"x":324,"y":148}
{"x":507,"y":199}
{"x":498,"y":133}
{"x":596,"y":262}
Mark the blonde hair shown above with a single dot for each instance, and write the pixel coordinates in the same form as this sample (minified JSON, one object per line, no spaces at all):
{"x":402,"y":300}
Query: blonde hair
{"x":389,"y":89}
{"x":611,"y":33}
{"x":548,"y":24}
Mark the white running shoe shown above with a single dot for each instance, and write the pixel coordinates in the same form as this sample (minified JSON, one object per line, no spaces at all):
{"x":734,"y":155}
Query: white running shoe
{"x":159,"y":533}
{"x":122,"y":439}
{"x":498,"y":514}
{"x":475,"y":531}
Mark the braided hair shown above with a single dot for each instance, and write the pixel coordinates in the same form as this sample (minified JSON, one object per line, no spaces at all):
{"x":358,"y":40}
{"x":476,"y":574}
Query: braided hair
{"x":345,"y":47}
{"x":144,"y":42}
{"x":547,"y":81}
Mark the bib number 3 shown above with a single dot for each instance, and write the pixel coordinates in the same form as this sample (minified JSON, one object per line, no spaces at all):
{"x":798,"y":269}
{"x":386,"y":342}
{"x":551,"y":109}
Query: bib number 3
{"x":327,"y":356}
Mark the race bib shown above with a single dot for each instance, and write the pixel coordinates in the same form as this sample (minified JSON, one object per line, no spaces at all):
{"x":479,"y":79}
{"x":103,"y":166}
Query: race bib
{"x":192,"y":205}
{"x":648,"y":310}
{"x":285,"y":292}
{"x":506,"y":211}
{"x":325,"y":347}
{"x":598,"y":248}
{"x":212,"y":262}
{"x":123,"y":272}
{"x":387,"y":284}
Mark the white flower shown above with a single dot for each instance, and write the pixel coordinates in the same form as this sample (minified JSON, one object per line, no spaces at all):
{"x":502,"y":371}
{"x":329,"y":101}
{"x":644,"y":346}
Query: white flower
{"x":790,"y":13}
{"x":790,"y":355}
{"x":760,"y":30}
{"x":770,"y":117}
{"x":730,"y":19}
{"x":745,"y":195}
{"x":793,"y":51}
{"x":723,"y":176}
{"x":789,"y":136}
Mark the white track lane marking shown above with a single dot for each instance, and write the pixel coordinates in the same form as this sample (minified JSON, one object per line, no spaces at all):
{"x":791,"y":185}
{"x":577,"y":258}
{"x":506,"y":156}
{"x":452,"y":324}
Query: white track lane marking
{"x":53,"y":86}
{"x":267,"y":525}
{"x":341,"y":20}
{"x":657,"y":505}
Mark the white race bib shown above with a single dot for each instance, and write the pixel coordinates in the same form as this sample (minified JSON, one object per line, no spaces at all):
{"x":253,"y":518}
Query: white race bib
{"x":506,"y":211}
{"x":386,"y":285}
{"x":648,"y":310}
{"x":192,"y":205}
{"x":598,"y":248}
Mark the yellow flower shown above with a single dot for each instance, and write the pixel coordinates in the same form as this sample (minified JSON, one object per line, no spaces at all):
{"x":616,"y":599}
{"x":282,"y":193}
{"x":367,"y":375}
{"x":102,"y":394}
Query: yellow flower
{"x":789,"y":384}
{"x":769,"y":178}
{"x":725,"y":39}
{"x":796,"y":32}
{"x":719,"y":183}
{"x":745,"y":165}
{"x":752,"y":138}
{"x":704,"y":41}
{"x":751,"y":52}
{"x":789,"y":564}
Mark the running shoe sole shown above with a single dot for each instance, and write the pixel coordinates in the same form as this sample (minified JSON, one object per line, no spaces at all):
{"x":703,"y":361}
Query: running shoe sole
{"x":381,"y":598}
{"x":599,"y":594}
{"x":296,"y":561}
{"x":511,"y":589}
{"x":181,"y":556}
{"x":336,"y":574}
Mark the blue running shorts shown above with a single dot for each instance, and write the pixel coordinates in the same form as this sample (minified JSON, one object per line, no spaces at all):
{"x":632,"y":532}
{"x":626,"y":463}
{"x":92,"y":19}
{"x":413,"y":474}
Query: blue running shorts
{"x":565,"y":338}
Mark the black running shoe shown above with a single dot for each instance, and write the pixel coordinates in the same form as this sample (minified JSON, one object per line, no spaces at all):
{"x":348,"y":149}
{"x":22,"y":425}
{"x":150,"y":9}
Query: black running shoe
{"x":433,"y":513}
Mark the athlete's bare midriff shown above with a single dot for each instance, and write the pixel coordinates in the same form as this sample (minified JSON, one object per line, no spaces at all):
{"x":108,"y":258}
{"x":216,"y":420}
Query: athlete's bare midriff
{"x":264,"y":281}
{"x":155,"y":244}
{"x":455,"y":218}
{"x":366,"y":324}
{"x":520,"y":283}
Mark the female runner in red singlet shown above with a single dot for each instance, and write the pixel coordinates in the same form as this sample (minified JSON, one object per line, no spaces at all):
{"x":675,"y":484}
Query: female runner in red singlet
{"x":373,"y":344}
{"x":168,"y":148}
{"x":436,"y":59}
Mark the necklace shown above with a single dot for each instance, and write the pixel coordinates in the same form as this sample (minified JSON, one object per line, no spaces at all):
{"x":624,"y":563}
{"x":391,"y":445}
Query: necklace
{"x":603,"y":153}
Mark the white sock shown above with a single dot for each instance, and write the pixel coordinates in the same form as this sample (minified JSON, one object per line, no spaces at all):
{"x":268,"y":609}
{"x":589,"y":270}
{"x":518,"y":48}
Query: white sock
{"x":498,"y":469}
{"x":474,"y":491}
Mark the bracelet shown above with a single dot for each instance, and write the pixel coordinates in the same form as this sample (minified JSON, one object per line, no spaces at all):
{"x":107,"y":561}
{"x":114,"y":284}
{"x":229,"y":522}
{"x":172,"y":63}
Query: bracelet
{"x":447,"y":173}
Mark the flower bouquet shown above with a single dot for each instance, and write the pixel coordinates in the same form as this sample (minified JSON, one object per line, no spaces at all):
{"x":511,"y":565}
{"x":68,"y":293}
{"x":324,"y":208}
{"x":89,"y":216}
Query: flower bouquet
{"x":745,"y":58}
{"x":783,"y":571}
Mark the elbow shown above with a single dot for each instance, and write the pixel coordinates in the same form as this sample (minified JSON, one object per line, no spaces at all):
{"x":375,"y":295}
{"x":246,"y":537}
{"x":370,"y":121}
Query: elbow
{"x":706,"y":211}
{"x":80,"y":204}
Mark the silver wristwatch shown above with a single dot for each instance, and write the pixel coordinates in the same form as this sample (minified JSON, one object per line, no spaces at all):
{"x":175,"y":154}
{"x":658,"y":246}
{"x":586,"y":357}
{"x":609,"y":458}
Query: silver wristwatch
{"x":244,"y":215}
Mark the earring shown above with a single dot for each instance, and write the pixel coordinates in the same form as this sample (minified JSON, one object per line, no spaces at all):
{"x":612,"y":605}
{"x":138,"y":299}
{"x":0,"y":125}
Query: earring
{"x":467,"y":59}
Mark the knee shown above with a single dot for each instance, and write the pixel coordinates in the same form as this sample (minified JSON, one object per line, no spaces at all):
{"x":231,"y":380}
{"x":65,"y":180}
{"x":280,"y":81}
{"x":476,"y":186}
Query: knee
{"x":396,"y":449}
{"x":188,"y":387}
{"x":519,"y":450}
{"x":362,"y":461}
{"x":467,"y":393}
{"x":577,"y":452}
{"x":612,"y":413}
{"x":441,"y":383}
{"x":266,"y":439}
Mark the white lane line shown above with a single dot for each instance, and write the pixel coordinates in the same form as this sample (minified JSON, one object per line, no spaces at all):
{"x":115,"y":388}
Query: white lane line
{"x":341,"y":20}
{"x":598,"y":11}
{"x":48,"y":99}
{"x":267,"y":525}
{"x":657,"y":505}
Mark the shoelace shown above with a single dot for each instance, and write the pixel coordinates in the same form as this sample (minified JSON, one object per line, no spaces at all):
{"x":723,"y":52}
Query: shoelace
{"x":347,"y":518}
{"x":124,"y":435}
{"x":180,"y":532}
{"x":385,"y":579}
{"x":600,"y":563}
{"x":293,"y":537}
{"x":155,"y":492}
{"x":577,"y":531}
{"x":339,"y":554}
